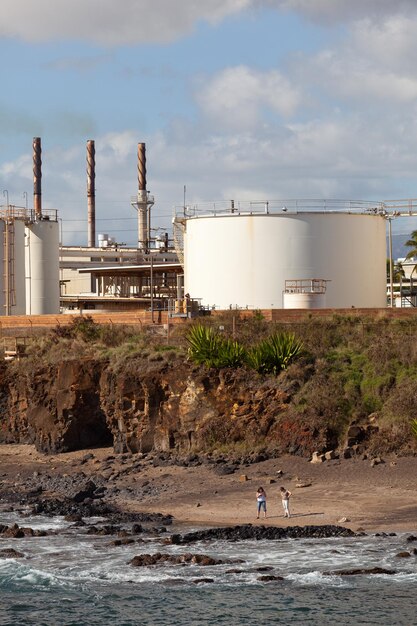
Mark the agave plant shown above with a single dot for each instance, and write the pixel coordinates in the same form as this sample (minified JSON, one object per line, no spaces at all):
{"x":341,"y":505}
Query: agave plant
{"x":274,"y":353}
{"x":231,"y":354}
{"x":285,"y":347}
{"x":258,"y":357}
{"x":270,"y":356}
{"x":205,"y":346}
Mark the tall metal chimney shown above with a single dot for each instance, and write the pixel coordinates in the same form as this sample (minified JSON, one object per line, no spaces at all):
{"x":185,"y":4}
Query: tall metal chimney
{"x":37,"y":177}
{"x":91,"y":192}
{"x":143,"y":234}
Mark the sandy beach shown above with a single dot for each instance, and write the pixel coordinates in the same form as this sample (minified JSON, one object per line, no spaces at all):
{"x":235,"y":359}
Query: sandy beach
{"x":349,"y":492}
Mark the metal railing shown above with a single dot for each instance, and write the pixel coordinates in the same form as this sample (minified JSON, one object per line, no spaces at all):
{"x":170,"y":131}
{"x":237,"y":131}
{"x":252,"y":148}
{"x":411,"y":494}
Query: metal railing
{"x":237,"y":207}
{"x":10,"y":212}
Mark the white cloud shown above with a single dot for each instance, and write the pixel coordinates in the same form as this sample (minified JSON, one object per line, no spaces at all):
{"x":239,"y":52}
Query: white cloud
{"x":127,"y":22}
{"x":342,"y":156}
{"x":342,"y":123}
{"x":107,"y":22}
{"x":328,"y":11}
{"x":391,"y":43}
{"x":372,"y":65}
{"x":236,"y":97}
{"x":349,"y":75}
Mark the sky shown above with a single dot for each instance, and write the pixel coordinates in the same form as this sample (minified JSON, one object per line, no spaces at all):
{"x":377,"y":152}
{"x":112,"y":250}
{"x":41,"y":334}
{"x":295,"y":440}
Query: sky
{"x":235,"y":99}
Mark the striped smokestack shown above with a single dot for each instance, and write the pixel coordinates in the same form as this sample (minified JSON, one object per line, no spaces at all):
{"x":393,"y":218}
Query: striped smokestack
{"x":91,"y":192}
{"x":37,"y":177}
{"x":143,"y":234}
{"x":141,"y":167}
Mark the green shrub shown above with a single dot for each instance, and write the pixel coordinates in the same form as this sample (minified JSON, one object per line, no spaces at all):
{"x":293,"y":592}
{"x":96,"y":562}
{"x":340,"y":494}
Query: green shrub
{"x":274,"y":354}
{"x":207,"y":347}
{"x":270,"y":356}
{"x":83,"y":327}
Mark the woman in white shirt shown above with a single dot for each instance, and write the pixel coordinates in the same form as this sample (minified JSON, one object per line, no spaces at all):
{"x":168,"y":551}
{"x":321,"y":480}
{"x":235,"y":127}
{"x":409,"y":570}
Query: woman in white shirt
{"x":261,"y":500}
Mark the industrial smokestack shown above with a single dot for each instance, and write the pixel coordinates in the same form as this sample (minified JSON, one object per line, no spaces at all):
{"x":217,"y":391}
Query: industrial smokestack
{"x":143,"y":234}
{"x":141,"y":167}
{"x":91,"y":192}
{"x":37,"y":177}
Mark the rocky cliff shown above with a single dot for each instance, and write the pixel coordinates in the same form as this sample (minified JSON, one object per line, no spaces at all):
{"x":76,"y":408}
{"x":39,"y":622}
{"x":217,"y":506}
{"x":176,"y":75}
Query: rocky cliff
{"x":358,"y":394}
{"x":143,"y":406}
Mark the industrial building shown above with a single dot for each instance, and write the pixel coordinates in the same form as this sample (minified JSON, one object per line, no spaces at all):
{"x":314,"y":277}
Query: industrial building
{"x":107,"y":276}
{"x":291,"y":254}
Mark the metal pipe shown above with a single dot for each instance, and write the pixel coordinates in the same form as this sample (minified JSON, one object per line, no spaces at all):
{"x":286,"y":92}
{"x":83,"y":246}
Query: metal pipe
{"x":91,"y":192}
{"x":390,"y":263}
{"x":37,"y":177}
{"x":7,"y":267}
{"x":151,"y":285}
{"x":6,"y":259}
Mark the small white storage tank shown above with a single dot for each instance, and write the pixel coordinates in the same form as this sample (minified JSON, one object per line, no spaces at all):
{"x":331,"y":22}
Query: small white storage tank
{"x":304,"y":301}
{"x":42,"y":267}
{"x":243,"y":260}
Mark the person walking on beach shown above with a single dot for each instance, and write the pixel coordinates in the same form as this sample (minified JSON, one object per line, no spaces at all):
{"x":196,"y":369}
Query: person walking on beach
{"x":261,"y":500}
{"x":285,"y":497}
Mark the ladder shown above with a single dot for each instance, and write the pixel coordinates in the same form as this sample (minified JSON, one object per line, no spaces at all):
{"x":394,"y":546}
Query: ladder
{"x":9,"y":288}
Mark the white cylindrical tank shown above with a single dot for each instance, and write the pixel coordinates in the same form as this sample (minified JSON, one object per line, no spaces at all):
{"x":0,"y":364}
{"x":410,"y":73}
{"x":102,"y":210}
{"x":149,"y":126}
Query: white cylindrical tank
{"x":42,"y":268}
{"x":12,"y":264}
{"x":239,"y":260}
{"x":304,"y":301}
{"x":103,"y":240}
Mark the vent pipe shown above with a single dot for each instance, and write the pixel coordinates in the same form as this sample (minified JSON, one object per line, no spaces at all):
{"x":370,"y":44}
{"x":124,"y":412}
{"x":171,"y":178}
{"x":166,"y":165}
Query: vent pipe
{"x":143,"y":234}
{"x":37,"y":177}
{"x":91,"y":192}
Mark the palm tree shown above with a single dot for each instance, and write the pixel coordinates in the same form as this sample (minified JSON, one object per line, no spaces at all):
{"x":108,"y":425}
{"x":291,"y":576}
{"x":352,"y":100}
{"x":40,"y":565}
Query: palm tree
{"x":398,"y":272}
{"x":412,"y":254}
{"x":412,"y":243}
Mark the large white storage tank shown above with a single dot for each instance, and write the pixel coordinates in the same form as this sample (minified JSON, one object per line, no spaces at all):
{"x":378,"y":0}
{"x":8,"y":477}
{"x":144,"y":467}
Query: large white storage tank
{"x":243,"y":260}
{"x":42,"y":267}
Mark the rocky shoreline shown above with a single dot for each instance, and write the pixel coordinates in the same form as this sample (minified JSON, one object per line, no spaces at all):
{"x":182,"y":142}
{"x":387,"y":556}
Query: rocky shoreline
{"x":209,"y":491}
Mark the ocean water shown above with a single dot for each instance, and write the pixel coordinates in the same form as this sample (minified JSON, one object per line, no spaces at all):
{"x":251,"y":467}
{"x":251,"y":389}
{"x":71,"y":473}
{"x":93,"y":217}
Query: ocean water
{"x":74,"y":579}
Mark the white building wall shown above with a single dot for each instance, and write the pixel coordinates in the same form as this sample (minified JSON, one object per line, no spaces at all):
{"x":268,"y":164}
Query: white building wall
{"x":244,"y":260}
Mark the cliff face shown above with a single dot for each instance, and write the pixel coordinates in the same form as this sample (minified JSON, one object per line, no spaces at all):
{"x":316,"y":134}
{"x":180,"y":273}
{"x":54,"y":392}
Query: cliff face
{"x":141,"y":407}
{"x":170,"y":405}
{"x":57,"y":408}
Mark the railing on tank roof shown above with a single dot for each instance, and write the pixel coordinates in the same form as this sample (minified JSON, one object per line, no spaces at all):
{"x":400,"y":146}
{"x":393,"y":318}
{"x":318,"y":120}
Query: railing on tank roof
{"x":13,"y":212}
{"x":50,"y":215}
{"x":229,"y":207}
{"x":387,"y":208}
{"x":405,"y":207}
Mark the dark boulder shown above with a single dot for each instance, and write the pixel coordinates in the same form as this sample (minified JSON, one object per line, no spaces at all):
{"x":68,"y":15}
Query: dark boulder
{"x":199,"y":581}
{"x":10,"y":553}
{"x":360,"y":572}
{"x":241,"y":533}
